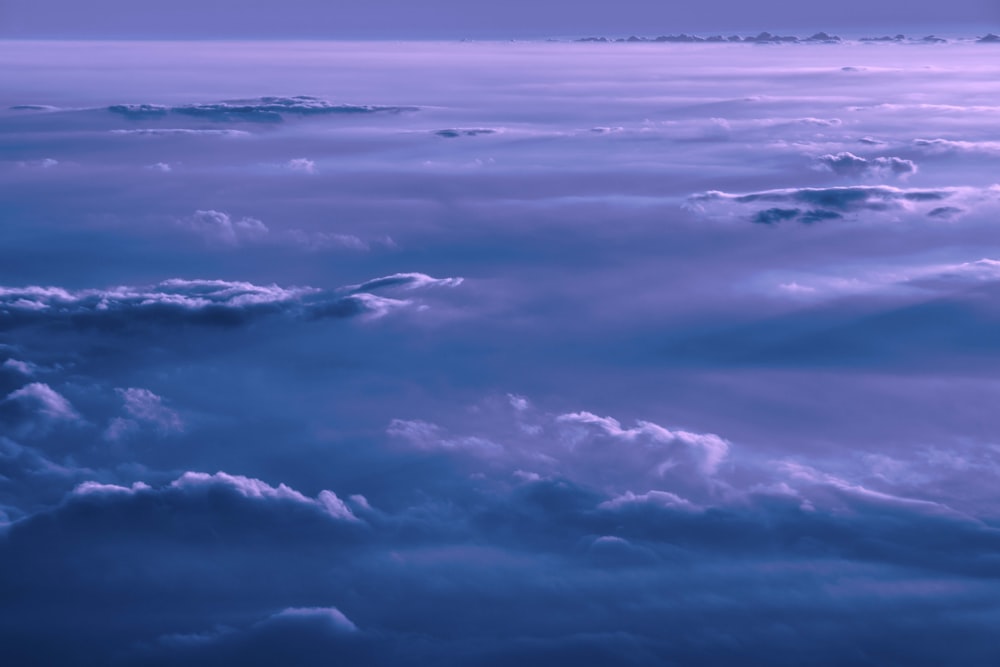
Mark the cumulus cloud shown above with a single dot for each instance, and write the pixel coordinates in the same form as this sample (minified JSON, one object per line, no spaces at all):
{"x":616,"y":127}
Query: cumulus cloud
{"x":531,"y":444}
{"x":194,"y":489}
{"x":198,"y":302}
{"x":849,"y":164}
{"x":709,"y":449}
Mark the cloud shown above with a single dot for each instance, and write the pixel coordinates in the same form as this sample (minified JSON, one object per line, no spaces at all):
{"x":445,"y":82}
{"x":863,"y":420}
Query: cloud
{"x":928,"y":278}
{"x":25,"y":368}
{"x":709,"y":449}
{"x":408,"y":281}
{"x":464,"y":132}
{"x":218,"y":226}
{"x":330,"y":617}
{"x":257,"y":110}
{"x":810,"y":205}
{"x":143,"y":409}
{"x":45,"y":163}
{"x":529,"y":444}
{"x":180,"y":132}
{"x":955,"y":146}
{"x":303,"y":165}
{"x":425,"y":436}
{"x":193,"y":302}
{"x":848,"y":164}
{"x":36,"y":408}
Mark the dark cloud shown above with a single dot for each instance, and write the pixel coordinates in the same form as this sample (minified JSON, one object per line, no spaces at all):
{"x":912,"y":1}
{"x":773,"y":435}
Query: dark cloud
{"x":827,"y":203}
{"x":259,"y":110}
{"x":180,"y":132}
{"x":464,"y":132}
{"x":326,"y":572}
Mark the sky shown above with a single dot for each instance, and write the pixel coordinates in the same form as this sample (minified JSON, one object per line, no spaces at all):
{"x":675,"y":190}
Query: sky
{"x":490,"y":353}
{"x":452,"y":19}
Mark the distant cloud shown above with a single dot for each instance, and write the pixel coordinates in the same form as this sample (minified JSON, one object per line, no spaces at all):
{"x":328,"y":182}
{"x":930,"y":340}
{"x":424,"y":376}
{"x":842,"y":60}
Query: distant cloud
{"x":195,"y":302}
{"x":36,"y":408}
{"x":302,"y":165}
{"x":256,"y":110}
{"x":407,"y":281}
{"x":581,"y":445}
{"x":180,"y":132}
{"x":45,"y":163}
{"x":464,"y":132}
{"x":849,"y":164}
{"x":953,"y":146}
{"x":24,"y":368}
{"x":933,"y":278}
{"x":144,"y":409}
{"x":218,"y":226}
{"x":809,"y":205}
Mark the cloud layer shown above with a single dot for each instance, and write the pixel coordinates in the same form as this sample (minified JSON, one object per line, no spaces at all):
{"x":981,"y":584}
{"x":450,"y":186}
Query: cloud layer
{"x":661,"y":352}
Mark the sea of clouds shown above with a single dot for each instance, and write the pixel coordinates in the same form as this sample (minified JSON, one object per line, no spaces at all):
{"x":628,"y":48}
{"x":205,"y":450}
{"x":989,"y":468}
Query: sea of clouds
{"x":499,"y":353}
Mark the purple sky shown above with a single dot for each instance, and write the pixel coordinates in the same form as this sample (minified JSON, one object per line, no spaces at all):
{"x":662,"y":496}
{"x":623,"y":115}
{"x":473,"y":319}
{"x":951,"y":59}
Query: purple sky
{"x":455,"y":18}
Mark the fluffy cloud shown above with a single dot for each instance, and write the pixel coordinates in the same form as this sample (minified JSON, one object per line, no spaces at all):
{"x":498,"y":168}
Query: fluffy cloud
{"x":581,"y":445}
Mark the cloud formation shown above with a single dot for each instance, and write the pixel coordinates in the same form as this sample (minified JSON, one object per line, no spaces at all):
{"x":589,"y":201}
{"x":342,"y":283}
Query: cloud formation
{"x":809,"y":205}
{"x":849,"y":164}
{"x":144,"y":409}
{"x":35,"y":409}
{"x":195,"y":302}
{"x":219,"y":228}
